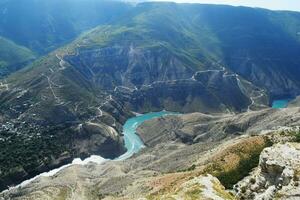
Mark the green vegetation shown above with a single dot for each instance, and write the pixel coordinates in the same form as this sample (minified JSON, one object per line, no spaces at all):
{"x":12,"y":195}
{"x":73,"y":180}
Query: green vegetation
{"x":13,"y":56}
{"x":195,"y":36}
{"x":231,"y":177}
{"x":43,"y":26}
{"x":30,"y":29}
{"x":200,"y":35}
{"x":191,"y":168}
{"x":194,"y":193}
{"x":246,"y":164}
{"x":297,"y":136}
{"x":25,"y":154}
{"x":242,"y":158}
{"x":221,"y":192}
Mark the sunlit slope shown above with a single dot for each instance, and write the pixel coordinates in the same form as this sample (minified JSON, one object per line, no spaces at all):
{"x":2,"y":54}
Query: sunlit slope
{"x":13,"y":56}
{"x":260,"y":45}
{"x":44,"y":25}
{"x":181,"y":57}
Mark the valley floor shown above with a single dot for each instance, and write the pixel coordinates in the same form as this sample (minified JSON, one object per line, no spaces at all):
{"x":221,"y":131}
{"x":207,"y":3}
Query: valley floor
{"x":75,"y":79}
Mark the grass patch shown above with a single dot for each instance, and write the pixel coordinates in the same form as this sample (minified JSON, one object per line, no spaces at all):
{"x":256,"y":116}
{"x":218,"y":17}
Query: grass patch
{"x":191,"y":168}
{"x":231,"y":177}
{"x":248,"y":161}
{"x":220,"y":190}
{"x":194,"y":193}
{"x":237,"y":161}
{"x":297,"y":136}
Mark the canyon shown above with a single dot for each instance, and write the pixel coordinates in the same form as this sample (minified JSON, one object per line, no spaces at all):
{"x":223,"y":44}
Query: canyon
{"x":71,"y":92}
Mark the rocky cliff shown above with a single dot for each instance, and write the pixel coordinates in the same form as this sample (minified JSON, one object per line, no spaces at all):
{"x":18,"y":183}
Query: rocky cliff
{"x":181,"y":57}
{"x":276,"y":177}
{"x":199,"y":127}
{"x":53,"y":110}
{"x":173,"y":165}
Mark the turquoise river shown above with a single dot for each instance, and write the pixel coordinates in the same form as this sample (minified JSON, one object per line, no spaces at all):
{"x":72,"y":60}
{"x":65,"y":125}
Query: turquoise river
{"x":281,"y":103}
{"x":133,"y":144}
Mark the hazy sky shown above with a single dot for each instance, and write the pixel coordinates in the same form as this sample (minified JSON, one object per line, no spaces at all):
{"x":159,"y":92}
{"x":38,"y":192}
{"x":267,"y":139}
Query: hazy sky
{"x":270,"y":4}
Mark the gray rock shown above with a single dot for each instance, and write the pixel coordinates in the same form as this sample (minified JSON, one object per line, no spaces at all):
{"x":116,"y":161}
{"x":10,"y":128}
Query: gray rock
{"x":278,"y":170}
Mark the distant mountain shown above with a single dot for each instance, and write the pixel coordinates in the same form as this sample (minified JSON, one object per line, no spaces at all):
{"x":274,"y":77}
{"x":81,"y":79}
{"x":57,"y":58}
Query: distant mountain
{"x":259,"y":45}
{"x":42,"y":26}
{"x":144,"y":57}
{"x":13,"y":56}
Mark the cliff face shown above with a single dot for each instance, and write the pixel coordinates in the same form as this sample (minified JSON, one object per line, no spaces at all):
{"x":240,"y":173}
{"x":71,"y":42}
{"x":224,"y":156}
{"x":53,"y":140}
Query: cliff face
{"x":199,"y":127}
{"x":276,"y":177}
{"x":130,"y":66}
{"x":154,"y":56}
{"x":153,"y":79}
{"x":52,"y":110}
{"x":180,"y":152}
{"x":211,"y":93}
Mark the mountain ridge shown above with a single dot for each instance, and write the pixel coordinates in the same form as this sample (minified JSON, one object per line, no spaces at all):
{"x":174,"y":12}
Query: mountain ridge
{"x":158,"y":56}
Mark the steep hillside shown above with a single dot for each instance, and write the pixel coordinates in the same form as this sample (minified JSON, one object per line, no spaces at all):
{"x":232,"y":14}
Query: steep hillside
{"x":180,"y":152}
{"x":44,"y":25}
{"x":13,"y":56}
{"x":259,"y":45}
{"x":52,"y":109}
{"x":54,"y":99}
{"x":295,"y":102}
{"x":181,"y":57}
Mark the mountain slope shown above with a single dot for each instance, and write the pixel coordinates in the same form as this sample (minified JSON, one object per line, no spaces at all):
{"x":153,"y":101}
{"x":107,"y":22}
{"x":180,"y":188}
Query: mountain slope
{"x":260,"y":45}
{"x":196,"y":145}
{"x":13,"y":56}
{"x":54,"y":114}
{"x":157,"y":56}
{"x":45,"y":25}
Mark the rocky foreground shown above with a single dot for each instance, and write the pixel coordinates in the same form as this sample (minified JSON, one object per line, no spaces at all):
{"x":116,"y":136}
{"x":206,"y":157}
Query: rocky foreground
{"x":193,"y":156}
{"x":276,"y":177}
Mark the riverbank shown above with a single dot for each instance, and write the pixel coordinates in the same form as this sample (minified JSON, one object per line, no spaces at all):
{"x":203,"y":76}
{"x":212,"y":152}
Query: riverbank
{"x":133,"y":144}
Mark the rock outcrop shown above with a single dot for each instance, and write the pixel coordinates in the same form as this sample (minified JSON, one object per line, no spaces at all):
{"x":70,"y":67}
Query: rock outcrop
{"x":201,"y":187}
{"x":277,"y":176}
{"x":153,"y":79}
{"x":295,"y":102}
{"x":141,"y":58}
{"x":199,"y":127}
{"x":174,"y":163}
{"x":207,"y":92}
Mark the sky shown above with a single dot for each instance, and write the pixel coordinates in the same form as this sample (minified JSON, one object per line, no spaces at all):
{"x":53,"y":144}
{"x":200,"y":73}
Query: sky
{"x":269,"y":4}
